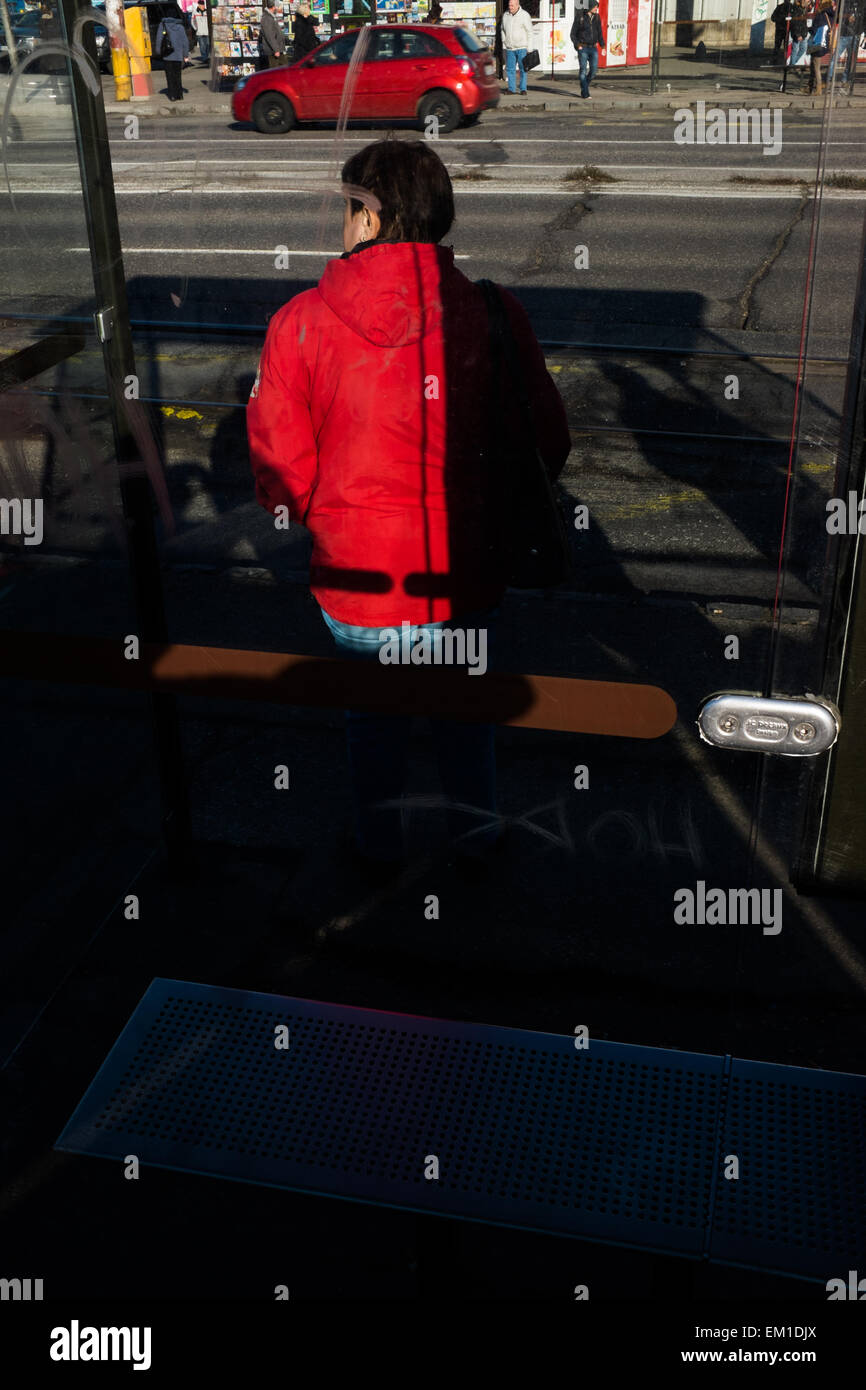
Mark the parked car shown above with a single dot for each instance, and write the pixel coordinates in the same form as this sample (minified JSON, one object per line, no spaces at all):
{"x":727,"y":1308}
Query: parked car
{"x":25,"y":36}
{"x":410,"y":72}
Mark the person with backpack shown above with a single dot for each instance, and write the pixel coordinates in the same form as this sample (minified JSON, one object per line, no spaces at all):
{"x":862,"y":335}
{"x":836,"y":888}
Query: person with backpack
{"x":588,"y":39}
{"x":172,"y":46}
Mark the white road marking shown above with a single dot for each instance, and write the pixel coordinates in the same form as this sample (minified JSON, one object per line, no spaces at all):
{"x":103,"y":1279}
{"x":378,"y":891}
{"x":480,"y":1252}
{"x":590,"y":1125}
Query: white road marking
{"x":499,"y":190}
{"x":218,"y":251}
{"x":456,"y":140}
{"x":473,"y":164}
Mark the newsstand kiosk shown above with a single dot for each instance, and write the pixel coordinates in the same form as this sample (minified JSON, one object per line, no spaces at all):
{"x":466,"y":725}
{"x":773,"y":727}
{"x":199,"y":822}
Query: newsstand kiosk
{"x":626,"y":25}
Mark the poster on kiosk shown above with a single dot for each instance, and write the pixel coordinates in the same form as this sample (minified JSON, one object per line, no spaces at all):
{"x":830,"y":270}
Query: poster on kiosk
{"x":626,"y":25}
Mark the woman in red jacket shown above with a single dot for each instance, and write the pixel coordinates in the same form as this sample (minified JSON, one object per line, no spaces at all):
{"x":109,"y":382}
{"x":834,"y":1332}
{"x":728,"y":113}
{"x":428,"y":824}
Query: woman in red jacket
{"x":368,"y":421}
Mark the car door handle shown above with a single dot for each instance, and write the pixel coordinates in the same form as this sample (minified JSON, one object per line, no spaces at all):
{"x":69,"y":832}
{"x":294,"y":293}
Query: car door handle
{"x":421,"y":67}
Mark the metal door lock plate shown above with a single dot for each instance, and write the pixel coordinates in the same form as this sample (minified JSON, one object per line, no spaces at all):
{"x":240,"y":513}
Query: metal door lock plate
{"x":795,"y":727}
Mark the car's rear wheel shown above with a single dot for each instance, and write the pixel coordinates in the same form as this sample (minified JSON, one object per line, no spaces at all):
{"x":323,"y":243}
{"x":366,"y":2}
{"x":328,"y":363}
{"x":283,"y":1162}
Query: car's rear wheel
{"x":273,"y":114}
{"x":444,"y":106}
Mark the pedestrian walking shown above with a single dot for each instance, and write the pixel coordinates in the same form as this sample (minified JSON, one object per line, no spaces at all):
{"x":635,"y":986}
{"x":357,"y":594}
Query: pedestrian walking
{"x":370,"y":421}
{"x":434,"y":14}
{"x":516,"y":42}
{"x":49,"y":27}
{"x":588,"y":39}
{"x":780,"y":17}
{"x":819,"y":43}
{"x":305,"y":36}
{"x":799,"y":33}
{"x":172,"y":46}
{"x":848,"y":32}
{"x":50,"y":32}
{"x":199,"y":25}
{"x":272,"y":40}
{"x":497,"y":41}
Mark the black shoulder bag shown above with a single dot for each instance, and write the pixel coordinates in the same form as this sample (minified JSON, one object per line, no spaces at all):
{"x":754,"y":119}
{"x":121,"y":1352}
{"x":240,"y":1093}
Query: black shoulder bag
{"x":533,"y":542}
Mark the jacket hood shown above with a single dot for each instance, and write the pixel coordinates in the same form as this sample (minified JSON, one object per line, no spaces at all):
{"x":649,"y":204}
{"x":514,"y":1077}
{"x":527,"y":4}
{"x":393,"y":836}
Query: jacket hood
{"x":389,"y":293}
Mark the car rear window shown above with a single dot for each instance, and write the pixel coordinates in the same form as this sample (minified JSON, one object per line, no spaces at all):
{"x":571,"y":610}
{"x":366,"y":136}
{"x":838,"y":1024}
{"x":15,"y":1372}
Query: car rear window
{"x":416,"y":45}
{"x":468,"y":40}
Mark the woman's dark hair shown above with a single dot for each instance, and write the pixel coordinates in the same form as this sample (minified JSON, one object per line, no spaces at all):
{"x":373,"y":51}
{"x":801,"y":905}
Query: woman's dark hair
{"x":411,"y":183}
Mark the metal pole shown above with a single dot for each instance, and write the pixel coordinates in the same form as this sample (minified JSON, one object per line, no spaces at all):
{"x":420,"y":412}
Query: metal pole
{"x":657,"y":29}
{"x":114,"y":331}
{"x":7,"y":30}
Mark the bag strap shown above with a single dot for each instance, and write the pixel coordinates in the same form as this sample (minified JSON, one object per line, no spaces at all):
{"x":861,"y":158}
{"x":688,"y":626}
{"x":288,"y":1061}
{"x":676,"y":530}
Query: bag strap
{"x":503,"y":349}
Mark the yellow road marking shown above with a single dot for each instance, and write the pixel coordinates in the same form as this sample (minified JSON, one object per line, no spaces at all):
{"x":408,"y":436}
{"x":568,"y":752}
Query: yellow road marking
{"x":661,"y":502}
{"x":181,"y":414}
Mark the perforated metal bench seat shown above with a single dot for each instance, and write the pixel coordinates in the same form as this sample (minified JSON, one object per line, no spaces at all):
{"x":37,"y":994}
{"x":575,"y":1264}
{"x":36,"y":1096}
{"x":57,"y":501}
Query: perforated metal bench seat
{"x":615,"y":1143}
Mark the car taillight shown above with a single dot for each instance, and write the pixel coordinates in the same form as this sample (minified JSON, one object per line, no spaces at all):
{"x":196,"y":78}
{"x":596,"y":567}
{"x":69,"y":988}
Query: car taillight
{"x":464,"y":65}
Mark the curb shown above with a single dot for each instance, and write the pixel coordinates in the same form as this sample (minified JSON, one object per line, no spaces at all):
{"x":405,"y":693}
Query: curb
{"x":565,"y":103}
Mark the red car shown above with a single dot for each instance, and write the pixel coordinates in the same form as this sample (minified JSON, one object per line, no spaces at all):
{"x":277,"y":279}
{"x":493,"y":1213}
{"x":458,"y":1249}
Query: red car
{"x":408,"y":71}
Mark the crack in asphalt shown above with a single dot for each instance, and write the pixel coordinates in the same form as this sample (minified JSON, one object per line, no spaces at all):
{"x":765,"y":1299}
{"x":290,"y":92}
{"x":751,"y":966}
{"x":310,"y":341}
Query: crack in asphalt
{"x":545,"y":255}
{"x":745,"y":300}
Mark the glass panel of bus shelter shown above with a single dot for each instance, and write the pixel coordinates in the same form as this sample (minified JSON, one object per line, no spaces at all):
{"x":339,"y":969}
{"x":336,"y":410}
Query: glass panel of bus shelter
{"x":661,"y":256}
{"x":810,"y":810}
{"x":665,"y":256}
{"x":80,"y":810}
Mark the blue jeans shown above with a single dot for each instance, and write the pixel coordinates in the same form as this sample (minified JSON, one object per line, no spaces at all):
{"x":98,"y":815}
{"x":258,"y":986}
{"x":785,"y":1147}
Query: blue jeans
{"x":377,"y":745}
{"x":798,"y":48}
{"x":839,"y":56}
{"x":513,"y":61}
{"x":587,"y":58}
{"x":203,"y":47}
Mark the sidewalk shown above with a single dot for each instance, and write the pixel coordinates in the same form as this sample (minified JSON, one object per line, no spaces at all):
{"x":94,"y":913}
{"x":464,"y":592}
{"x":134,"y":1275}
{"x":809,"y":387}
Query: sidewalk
{"x":728,"y":77}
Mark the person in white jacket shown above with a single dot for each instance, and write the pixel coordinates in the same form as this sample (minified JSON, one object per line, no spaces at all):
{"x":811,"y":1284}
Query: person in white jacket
{"x":199,"y":24}
{"x":516,"y":40}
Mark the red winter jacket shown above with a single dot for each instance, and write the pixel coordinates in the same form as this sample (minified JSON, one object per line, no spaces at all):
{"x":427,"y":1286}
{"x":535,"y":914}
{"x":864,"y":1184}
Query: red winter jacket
{"x":368,"y":420}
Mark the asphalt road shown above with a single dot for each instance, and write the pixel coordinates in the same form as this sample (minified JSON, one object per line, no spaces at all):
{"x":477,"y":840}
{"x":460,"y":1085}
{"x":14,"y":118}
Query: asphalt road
{"x":676,"y":252}
{"x":697,"y":280}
